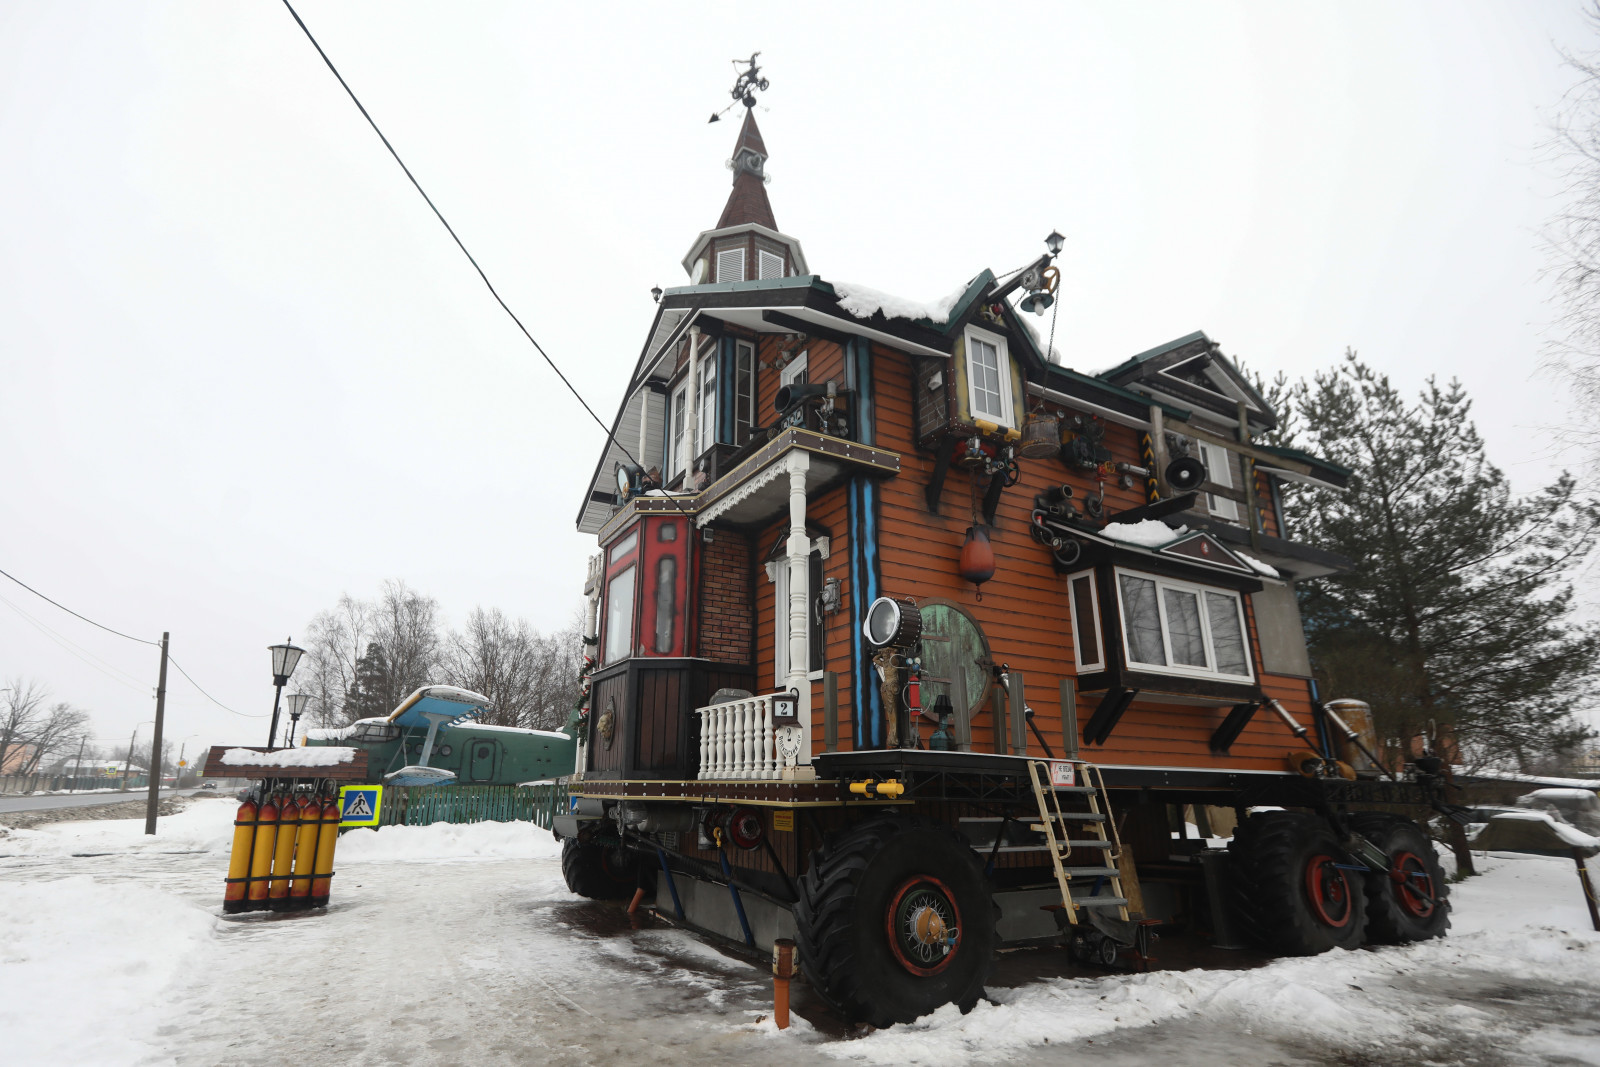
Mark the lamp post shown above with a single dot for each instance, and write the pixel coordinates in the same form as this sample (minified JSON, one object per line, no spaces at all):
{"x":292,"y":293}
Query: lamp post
{"x":297,"y":704}
{"x":284,"y":659}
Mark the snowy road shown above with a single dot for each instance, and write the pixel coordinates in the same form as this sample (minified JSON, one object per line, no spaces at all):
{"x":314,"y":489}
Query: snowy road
{"x":461,"y":945}
{"x":82,"y":800}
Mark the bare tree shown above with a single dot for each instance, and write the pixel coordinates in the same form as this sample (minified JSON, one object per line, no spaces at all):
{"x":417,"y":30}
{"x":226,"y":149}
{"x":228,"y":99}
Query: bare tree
{"x":497,"y":657}
{"x":1572,"y":241}
{"x":54,"y":730}
{"x":335,"y":642}
{"x":406,"y":629}
{"x":557,"y":683}
{"x":21,"y":707}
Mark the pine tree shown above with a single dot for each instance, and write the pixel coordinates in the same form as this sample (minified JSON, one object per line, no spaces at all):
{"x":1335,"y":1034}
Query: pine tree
{"x":367,"y":695}
{"x":1460,"y":609}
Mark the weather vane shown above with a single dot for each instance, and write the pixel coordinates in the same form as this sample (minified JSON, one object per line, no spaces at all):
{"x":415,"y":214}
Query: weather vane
{"x":744,"y":89}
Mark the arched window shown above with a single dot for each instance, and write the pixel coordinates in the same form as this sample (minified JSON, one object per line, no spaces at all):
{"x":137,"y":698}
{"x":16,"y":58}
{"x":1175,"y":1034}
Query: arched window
{"x":951,"y":638}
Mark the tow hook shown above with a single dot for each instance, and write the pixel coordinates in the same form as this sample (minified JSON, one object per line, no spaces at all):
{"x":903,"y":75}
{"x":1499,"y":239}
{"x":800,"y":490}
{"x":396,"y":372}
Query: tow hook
{"x":874,"y":788}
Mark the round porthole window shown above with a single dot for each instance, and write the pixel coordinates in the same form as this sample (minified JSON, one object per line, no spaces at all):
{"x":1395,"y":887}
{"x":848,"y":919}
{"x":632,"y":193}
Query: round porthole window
{"x":444,"y":750}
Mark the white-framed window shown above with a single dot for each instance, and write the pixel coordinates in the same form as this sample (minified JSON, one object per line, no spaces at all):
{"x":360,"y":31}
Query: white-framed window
{"x":1218,"y":462}
{"x":1088,"y":646}
{"x":744,"y":391}
{"x":619,"y":614}
{"x":730,"y":265}
{"x":1174,"y":627}
{"x":989,"y":378}
{"x":768,"y":264}
{"x":814,"y":633}
{"x":677,"y":426}
{"x":795,"y":372}
{"x":707,"y":426}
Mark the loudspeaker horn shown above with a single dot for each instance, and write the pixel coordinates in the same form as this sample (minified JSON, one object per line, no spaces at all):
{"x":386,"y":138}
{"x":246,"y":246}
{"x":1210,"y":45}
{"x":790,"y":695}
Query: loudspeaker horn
{"x":1185,"y":473}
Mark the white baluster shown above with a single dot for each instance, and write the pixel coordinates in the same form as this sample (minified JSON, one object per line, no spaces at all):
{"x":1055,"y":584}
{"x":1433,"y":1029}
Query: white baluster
{"x":705,"y":741}
{"x":736,"y":714}
{"x":715,"y":715}
{"x":725,"y":732}
{"x":769,"y":766}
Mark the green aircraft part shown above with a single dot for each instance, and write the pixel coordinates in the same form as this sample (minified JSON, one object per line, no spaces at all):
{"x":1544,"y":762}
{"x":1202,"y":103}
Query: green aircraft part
{"x":478,"y":754}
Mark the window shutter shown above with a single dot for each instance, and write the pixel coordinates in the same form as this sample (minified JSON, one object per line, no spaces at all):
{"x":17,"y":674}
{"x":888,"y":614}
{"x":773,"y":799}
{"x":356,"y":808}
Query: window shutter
{"x":730,"y":265}
{"x":769,"y":265}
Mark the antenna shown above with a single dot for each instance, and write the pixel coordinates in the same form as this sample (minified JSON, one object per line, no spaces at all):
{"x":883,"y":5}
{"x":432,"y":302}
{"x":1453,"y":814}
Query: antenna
{"x":745,"y":88}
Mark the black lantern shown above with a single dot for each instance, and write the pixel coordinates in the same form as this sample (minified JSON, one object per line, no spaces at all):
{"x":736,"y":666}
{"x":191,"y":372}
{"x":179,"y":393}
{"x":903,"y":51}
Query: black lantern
{"x":1054,"y":243}
{"x":285,"y":658}
{"x":297,"y":706}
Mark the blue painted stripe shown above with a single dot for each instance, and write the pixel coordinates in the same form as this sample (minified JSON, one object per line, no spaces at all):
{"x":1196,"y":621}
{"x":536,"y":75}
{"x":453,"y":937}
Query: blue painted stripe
{"x":870,"y":570}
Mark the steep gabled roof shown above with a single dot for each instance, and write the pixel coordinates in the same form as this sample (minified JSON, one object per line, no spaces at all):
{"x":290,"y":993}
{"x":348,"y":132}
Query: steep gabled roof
{"x":748,"y":202}
{"x":1192,"y":370}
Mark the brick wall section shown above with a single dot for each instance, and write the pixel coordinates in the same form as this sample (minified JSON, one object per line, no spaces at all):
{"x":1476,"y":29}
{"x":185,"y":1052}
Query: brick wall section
{"x":727,"y":616}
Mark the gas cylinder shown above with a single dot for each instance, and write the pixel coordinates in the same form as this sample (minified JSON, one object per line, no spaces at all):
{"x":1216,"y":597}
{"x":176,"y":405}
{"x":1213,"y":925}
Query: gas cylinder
{"x":289,"y":813}
{"x":261,"y":853}
{"x":327,"y":840}
{"x":244,"y":832}
{"x":305,"y":851}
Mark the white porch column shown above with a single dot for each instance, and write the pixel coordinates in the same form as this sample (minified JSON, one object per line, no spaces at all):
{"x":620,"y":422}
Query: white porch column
{"x":691,"y":410}
{"x":799,"y":596}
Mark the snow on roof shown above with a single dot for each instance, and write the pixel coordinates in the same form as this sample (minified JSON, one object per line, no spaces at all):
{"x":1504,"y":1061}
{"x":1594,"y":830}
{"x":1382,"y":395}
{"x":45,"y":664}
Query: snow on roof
{"x":339,"y":733}
{"x":322,"y":756}
{"x":476,"y":726}
{"x":1146,"y":533}
{"x":863,"y":302}
{"x":1256,"y":565}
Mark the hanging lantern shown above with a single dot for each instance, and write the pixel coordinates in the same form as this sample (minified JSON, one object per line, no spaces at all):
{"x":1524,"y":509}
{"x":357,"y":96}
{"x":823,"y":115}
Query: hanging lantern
{"x":1041,"y":436}
{"x":977,"y":556}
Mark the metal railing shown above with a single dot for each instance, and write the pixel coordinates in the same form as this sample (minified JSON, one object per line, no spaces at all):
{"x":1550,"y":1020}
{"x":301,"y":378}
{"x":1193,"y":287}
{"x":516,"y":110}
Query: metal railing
{"x":736,"y":739}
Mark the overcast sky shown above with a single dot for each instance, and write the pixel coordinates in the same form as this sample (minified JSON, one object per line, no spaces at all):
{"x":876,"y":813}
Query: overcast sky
{"x":244,"y":370}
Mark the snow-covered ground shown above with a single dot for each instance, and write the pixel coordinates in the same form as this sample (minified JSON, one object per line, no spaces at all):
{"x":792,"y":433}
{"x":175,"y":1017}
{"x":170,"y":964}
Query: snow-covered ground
{"x":461,"y":945}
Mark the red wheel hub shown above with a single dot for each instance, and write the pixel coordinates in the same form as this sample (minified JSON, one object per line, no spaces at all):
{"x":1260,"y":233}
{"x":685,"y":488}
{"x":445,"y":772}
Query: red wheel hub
{"x":1328,"y":890}
{"x":924,"y":925}
{"x":1413,"y":885}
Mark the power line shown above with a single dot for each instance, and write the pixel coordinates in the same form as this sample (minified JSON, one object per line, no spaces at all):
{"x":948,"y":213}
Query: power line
{"x":451,"y":230}
{"x":81,"y":653}
{"x":119,"y":633}
{"x":85,"y":618}
{"x":242,"y":714}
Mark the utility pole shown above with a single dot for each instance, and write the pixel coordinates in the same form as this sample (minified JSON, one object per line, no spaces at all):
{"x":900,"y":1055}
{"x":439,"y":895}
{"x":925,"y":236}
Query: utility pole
{"x":155,"y":744}
{"x":129,"y":760}
{"x":77,"y":766}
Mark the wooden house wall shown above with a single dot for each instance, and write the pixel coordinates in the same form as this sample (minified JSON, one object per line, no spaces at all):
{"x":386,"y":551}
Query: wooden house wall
{"x":1022,"y":610}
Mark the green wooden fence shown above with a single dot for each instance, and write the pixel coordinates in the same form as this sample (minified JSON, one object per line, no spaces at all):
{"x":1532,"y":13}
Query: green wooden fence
{"x":422,"y":805}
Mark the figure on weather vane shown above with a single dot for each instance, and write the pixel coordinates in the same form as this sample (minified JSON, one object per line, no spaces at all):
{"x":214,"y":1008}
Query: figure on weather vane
{"x":745,"y":88}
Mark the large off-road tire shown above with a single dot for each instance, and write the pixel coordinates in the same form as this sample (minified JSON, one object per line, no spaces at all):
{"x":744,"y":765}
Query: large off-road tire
{"x":599,"y":872}
{"x":1293,"y":893}
{"x":1396,"y":913}
{"x":895,"y":919}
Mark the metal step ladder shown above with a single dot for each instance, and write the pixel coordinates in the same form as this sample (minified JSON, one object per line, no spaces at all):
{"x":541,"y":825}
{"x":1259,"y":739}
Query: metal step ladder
{"x":1098,"y":832}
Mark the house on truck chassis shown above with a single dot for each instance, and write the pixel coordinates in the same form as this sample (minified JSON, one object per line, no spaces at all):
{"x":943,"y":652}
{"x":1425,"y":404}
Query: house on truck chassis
{"x":911,"y":643}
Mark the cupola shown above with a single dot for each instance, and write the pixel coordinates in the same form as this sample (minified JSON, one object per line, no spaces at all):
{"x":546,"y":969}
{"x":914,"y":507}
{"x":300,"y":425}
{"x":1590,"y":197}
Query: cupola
{"x":746,"y":244}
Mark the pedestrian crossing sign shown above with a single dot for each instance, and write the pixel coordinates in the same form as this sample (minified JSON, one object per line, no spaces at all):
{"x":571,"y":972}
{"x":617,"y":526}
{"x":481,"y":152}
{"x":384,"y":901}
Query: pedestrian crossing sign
{"x":359,"y":805}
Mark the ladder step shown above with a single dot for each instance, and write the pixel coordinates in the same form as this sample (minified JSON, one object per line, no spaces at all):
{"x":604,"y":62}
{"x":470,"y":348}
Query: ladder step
{"x":1073,"y":789}
{"x":1087,"y":842}
{"x":1099,"y":902}
{"x":1079,"y":816}
{"x":1090,"y":872}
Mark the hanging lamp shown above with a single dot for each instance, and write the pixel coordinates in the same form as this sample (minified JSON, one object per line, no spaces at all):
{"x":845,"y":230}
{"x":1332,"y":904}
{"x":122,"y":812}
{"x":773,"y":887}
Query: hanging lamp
{"x":977,"y":557}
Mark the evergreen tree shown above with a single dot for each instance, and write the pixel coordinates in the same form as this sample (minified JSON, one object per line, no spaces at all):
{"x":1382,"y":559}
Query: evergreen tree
{"x":1460,"y":609}
{"x":367,"y":696}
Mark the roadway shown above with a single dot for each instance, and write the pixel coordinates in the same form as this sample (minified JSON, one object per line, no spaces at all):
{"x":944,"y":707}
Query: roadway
{"x":83,"y":800}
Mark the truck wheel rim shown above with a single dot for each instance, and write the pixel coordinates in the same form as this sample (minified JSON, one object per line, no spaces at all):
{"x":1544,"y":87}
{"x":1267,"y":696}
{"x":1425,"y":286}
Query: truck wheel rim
{"x":1410,"y":875}
{"x":1328,"y":890}
{"x":924,"y":925}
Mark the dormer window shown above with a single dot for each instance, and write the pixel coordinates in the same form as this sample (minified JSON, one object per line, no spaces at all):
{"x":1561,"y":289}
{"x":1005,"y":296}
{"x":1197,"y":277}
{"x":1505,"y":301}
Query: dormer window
{"x":768,"y":265}
{"x":730,"y":265}
{"x":989,"y":378}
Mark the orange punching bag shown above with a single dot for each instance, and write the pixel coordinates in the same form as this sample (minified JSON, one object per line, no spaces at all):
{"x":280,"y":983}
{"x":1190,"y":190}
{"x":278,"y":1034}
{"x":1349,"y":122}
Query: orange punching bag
{"x":261,"y":855}
{"x":305,"y":850}
{"x":283,"y":852}
{"x":244,"y":832}
{"x":321,"y":886}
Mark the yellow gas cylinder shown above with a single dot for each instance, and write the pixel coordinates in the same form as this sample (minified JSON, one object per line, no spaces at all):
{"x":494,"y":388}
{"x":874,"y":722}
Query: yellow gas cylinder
{"x":305,"y":851}
{"x":283,"y":851}
{"x":261,"y":855}
{"x":244,"y":832}
{"x":327,"y":840}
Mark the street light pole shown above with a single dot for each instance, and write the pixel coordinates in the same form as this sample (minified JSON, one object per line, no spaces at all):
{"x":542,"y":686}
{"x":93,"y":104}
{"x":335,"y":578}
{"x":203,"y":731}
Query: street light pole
{"x":285,"y":658}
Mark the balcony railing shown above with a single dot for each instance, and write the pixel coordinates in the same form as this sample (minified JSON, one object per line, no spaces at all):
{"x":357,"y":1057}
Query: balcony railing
{"x":736,"y":740}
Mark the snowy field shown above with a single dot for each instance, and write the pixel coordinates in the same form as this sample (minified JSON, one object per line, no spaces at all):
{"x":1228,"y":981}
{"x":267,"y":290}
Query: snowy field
{"x":450,"y":945}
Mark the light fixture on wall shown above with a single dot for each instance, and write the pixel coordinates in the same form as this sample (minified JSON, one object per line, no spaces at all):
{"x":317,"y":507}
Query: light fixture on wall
{"x":1054,"y":243}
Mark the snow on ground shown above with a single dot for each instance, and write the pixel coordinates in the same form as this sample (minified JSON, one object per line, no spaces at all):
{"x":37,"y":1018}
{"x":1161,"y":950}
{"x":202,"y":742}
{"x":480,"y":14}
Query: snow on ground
{"x":124,"y":958}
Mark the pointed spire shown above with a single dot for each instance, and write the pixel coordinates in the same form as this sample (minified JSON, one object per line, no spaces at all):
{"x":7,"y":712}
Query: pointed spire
{"x":748,"y":201}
